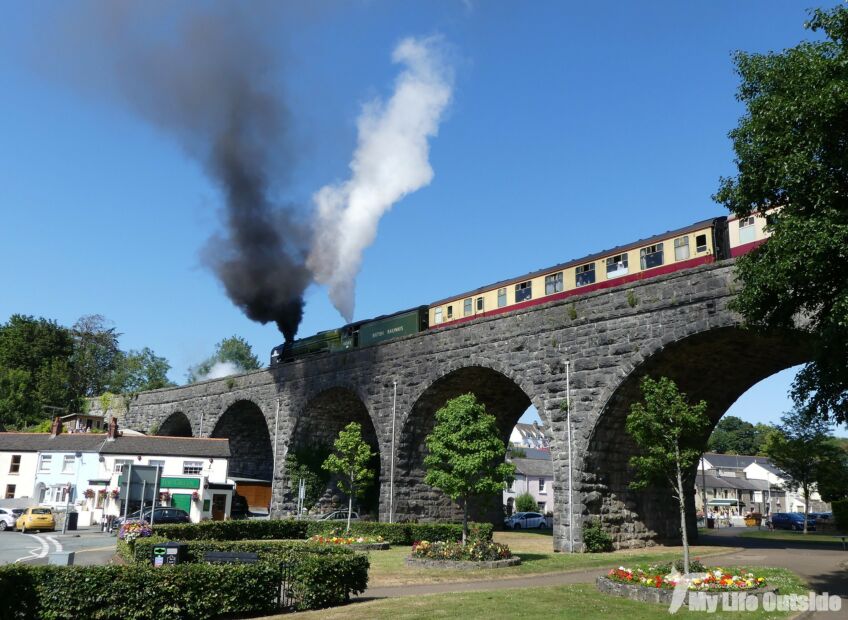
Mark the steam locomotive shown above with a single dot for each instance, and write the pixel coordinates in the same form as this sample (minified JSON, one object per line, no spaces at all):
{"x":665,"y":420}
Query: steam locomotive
{"x":703,"y":242}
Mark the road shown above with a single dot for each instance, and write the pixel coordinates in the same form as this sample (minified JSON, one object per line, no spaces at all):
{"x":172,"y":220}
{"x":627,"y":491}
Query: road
{"x":90,"y":546}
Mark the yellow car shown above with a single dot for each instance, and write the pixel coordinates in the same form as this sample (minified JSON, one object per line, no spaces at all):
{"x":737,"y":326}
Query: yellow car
{"x":36,"y":519}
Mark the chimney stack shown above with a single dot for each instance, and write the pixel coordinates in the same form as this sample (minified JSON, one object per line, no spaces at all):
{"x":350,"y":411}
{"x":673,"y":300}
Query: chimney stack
{"x":112,"y":431}
{"x":56,"y":428}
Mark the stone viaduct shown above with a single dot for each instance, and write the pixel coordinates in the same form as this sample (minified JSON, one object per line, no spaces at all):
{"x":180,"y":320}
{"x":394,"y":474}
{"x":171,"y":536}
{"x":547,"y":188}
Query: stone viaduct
{"x":677,"y":325}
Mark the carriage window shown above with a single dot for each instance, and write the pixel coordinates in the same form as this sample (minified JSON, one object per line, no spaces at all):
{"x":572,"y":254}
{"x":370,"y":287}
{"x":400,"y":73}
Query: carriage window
{"x":617,"y":266}
{"x":450,"y":312}
{"x":651,"y":256}
{"x":501,"y":297}
{"x":585,"y":274}
{"x":681,"y":248}
{"x":701,"y":243}
{"x":747,"y":230}
{"x":524,"y":291}
{"x":466,"y":307}
{"x":553,"y":283}
{"x":479,"y":304}
{"x":437,"y":315}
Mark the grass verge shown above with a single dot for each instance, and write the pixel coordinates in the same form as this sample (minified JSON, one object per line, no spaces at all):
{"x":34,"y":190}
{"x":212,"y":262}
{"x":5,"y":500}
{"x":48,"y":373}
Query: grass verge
{"x":799,"y":537}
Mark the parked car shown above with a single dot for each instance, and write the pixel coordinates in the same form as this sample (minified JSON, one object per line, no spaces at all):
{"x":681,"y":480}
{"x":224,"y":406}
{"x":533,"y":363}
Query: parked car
{"x":7,"y":519}
{"x":822,"y":516}
{"x":36,"y":519}
{"x":339,"y":515}
{"x":791,"y":521}
{"x":239,"y":509}
{"x":161,"y":515}
{"x":526,"y":520}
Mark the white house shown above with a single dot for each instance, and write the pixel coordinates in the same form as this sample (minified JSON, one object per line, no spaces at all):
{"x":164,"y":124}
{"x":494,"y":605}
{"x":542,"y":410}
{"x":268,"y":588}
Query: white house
{"x":529,"y":436}
{"x":784,"y":499}
{"x":534,"y":474}
{"x":17,"y":471}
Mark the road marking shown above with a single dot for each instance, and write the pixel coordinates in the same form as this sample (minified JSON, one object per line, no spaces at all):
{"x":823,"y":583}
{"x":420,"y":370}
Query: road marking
{"x":38,"y":552}
{"x":112,"y":548}
{"x":55,"y":542}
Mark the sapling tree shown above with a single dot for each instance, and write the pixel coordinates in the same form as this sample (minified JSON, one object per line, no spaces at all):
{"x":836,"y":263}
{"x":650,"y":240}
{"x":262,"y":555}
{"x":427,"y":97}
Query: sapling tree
{"x":466,"y":454}
{"x":349,"y":461}
{"x":670,"y":435}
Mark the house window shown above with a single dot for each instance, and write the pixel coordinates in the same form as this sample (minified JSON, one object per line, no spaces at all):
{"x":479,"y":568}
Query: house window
{"x":617,"y":266}
{"x":68,"y":464}
{"x":541,"y":507}
{"x":159,"y":464}
{"x":437,"y":315}
{"x":584,"y":274}
{"x":450,"y":312}
{"x":10,"y":491}
{"x":651,"y":256}
{"x":192,"y":467}
{"x":501,"y":297}
{"x":542,"y":486}
{"x":747,"y":231}
{"x":44,"y":463}
{"x":553,"y":283}
{"x":701,"y":243}
{"x":480,"y":302}
{"x":119,"y":465}
{"x":15,"y":467}
{"x":681,"y":248}
{"x":524,"y":291}
{"x":466,"y":307}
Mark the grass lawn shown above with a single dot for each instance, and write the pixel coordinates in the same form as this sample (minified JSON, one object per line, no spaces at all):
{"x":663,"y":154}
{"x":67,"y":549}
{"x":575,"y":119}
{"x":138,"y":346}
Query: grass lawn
{"x":810,"y":537}
{"x":576,"y":602}
{"x":535,"y":549}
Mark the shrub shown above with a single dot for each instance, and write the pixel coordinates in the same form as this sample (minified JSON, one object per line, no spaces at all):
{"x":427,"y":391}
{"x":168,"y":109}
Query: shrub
{"x":141,"y":550}
{"x":525,"y":503}
{"x":402,"y":533}
{"x":274,"y":529}
{"x":324,"y":579}
{"x":840,"y":514}
{"x":476,"y":551}
{"x":595,"y":538}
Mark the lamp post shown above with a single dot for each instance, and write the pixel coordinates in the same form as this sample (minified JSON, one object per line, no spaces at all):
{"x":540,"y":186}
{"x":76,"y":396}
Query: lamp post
{"x":392,"y":462}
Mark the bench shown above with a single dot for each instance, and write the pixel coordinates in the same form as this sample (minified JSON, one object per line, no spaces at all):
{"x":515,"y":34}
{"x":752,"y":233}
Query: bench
{"x":230,"y":557}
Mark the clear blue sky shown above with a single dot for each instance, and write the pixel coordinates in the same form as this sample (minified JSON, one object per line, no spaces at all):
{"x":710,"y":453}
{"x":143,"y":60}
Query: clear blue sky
{"x":574,"y":127}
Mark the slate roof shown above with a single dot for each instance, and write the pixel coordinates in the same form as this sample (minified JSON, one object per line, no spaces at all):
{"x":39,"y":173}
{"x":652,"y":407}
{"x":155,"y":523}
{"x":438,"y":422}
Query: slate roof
{"x":724,"y":482}
{"x":152,"y":445}
{"x":537,"y":468}
{"x":733,"y":461}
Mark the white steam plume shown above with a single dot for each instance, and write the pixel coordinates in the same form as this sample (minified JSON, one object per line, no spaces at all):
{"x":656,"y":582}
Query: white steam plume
{"x":391,"y":161}
{"x":220,"y":370}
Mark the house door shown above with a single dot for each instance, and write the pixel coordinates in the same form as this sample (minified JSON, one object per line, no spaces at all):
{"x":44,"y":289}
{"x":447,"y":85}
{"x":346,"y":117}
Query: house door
{"x":181,"y":500}
{"x":219,"y":506}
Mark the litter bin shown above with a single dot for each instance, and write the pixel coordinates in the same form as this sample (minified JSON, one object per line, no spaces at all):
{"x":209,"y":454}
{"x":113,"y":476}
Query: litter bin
{"x":72,"y":518}
{"x":169,"y":553}
{"x":710,"y":523}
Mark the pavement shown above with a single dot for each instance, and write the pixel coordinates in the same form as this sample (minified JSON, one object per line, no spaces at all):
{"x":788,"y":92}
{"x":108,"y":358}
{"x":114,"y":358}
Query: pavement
{"x":90,"y":546}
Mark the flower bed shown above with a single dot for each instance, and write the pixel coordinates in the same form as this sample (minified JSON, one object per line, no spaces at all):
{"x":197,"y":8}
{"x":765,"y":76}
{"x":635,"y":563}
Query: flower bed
{"x":133,"y":530}
{"x":364,"y":543}
{"x":475,"y":554}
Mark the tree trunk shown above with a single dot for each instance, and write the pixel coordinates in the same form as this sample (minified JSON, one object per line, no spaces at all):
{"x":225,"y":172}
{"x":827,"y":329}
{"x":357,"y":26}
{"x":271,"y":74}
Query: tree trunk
{"x":680,"y":499}
{"x":349,"y":502}
{"x":806,"y":505}
{"x":464,"y":521}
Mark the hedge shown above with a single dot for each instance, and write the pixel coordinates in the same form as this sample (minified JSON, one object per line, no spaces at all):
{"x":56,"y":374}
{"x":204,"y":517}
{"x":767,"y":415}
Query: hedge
{"x":402,"y":533}
{"x":141,"y":549}
{"x":138,"y":592}
{"x":274,"y":529}
{"x":840,"y":514}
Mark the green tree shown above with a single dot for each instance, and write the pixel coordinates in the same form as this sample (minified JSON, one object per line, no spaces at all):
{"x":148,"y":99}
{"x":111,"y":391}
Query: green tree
{"x":832,"y":483}
{"x":801,"y":446}
{"x":233,"y":350}
{"x":733,"y":435}
{"x":137,"y":371}
{"x":668,"y":431}
{"x":526,"y":503}
{"x":96,"y":356}
{"x":307,"y":465}
{"x":791,"y":157}
{"x":466,"y":455}
{"x":349,"y":461}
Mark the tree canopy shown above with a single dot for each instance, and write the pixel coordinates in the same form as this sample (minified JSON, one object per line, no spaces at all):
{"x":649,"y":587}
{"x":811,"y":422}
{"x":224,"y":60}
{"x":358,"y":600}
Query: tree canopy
{"x":465,"y":454}
{"x":792,"y":164}
{"x":349,"y":461}
{"x":733,"y":435}
{"x":234,"y":351}
{"x":668,"y":431}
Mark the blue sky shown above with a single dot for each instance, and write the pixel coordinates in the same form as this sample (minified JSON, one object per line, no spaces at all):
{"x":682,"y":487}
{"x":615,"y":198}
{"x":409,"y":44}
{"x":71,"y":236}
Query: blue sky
{"x":573,"y":128}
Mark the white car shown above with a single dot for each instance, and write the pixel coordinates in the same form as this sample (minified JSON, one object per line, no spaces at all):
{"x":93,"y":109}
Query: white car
{"x":7,"y":519}
{"x":526,"y":520}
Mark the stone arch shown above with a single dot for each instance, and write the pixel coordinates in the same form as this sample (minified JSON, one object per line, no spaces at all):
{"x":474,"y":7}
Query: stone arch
{"x":244,"y":424}
{"x":717,"y":366}
{"x":317,"y":427}
{"x":176,"y":425}
{"x":503,"y":395}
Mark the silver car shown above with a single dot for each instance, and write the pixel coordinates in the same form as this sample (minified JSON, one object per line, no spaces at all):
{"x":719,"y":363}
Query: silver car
{"x":526,"y":520}
{"x":7,"y":519}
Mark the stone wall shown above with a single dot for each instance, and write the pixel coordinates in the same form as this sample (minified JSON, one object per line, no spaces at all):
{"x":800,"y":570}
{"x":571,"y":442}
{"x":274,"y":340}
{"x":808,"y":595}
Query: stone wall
{"x":678,"y":324}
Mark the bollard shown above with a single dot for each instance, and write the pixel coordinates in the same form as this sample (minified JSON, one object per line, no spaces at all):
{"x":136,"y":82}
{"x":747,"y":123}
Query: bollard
{"x":61,"y":558}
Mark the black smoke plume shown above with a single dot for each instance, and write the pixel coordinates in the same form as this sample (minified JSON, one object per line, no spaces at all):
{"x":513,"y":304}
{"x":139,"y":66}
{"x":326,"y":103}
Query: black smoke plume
{"x":204,"y":74}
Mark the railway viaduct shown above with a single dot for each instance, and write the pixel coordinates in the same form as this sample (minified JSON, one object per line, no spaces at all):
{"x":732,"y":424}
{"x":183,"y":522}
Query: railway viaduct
{"x":677,"y":325}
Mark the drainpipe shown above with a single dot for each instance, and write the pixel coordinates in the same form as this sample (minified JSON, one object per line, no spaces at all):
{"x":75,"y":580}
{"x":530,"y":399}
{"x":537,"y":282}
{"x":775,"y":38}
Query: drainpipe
{"x":392,"y":466}
{"x":570,"y":463}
